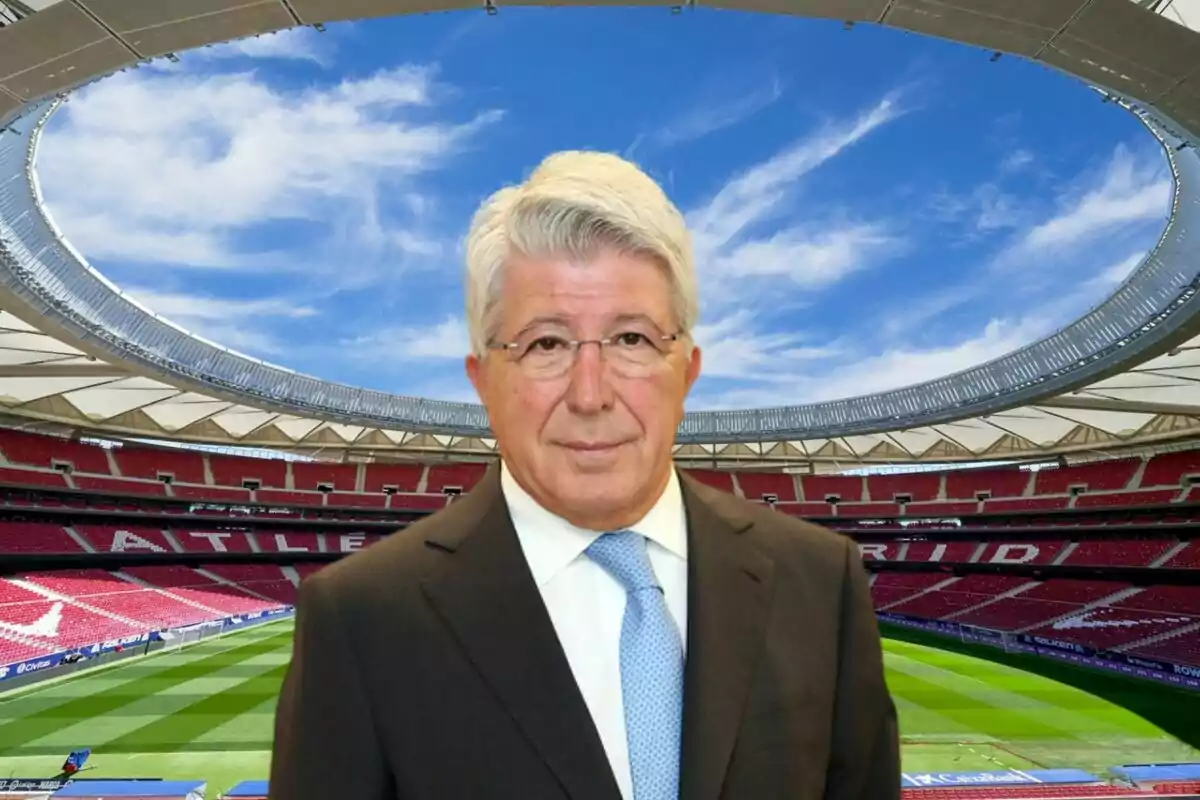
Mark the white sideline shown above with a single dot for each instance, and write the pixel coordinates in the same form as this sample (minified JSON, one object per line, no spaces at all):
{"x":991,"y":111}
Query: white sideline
{"x":32,"y":689}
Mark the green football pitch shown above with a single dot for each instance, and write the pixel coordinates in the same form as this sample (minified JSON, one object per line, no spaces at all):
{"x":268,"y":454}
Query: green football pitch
{"x":206,"y":712}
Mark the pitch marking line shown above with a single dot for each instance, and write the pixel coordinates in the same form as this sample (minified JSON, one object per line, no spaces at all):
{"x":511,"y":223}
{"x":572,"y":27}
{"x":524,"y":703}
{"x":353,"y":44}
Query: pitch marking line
{"x":49,"y":683}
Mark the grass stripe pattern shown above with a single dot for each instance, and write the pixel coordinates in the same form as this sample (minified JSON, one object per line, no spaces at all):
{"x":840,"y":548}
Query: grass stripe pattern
{"x":207,"y":712}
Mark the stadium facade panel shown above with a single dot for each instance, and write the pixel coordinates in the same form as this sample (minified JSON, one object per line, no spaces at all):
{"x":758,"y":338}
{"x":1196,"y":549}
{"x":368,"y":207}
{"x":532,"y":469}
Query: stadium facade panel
{"x":1140,"y":58}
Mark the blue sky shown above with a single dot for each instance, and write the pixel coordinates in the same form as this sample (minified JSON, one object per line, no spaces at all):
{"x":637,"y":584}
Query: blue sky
{"x":870,"y":208}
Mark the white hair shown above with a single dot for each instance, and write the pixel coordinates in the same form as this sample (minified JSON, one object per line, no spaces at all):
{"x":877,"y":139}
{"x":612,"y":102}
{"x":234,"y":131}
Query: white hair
{"x":576,"y":204}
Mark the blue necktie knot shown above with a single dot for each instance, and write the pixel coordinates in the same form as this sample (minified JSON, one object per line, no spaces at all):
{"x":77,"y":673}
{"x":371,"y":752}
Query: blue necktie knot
{"x":624,"y":556}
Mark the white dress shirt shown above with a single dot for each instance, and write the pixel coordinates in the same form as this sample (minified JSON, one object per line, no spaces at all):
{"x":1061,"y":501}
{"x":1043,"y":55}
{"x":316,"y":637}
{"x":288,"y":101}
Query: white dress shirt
{"x":587,"y":605}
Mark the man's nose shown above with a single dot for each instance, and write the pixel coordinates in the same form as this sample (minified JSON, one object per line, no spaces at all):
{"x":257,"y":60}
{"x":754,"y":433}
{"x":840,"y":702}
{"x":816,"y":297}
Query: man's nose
{"x":590,"y":391}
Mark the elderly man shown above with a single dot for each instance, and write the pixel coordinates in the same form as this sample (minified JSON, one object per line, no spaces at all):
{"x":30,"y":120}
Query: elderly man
{"x":587,"y":623}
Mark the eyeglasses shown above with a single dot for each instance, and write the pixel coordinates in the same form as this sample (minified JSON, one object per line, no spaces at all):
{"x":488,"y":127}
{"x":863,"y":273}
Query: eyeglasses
{"x":631,"y":354}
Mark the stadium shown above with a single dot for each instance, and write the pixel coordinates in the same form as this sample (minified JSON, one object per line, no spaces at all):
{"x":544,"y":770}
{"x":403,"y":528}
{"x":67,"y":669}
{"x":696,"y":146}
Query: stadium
{"x":1029,"y":523}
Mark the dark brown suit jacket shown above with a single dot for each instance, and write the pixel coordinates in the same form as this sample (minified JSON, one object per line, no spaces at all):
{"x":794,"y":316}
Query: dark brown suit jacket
{"x":427,"y":668}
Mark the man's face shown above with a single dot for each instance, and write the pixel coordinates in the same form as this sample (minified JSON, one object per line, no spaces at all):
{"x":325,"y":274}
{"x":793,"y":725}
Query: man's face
{"x":592,"y":445}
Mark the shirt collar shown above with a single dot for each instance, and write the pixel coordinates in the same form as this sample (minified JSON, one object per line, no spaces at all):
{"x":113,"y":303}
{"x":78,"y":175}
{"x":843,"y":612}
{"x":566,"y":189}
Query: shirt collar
{"x":551,"y":543}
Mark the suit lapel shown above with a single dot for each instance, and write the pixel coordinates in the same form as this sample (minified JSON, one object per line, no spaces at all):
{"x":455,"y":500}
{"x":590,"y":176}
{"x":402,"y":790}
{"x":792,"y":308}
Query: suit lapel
{"x":729,"y":590}
{"x":488,"y":598}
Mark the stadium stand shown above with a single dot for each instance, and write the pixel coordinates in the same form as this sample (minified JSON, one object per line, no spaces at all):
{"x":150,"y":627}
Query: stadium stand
{"x":971,"y":484}
{"x":714,"y":478}
{"x":142,"y":471}
{"x":441,"y":478}
{"x":920,"y":487}
{"x":238,"y":470}
{"x":990,"y":508}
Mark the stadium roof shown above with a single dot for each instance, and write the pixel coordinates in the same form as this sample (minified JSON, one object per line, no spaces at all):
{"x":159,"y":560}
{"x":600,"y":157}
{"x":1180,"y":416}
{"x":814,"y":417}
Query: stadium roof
{"x":76,"y":353}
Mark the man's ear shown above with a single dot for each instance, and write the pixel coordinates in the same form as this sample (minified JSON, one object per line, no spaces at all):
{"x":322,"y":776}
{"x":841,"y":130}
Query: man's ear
{"x":475,"y":373}
{"x":692,"y":371}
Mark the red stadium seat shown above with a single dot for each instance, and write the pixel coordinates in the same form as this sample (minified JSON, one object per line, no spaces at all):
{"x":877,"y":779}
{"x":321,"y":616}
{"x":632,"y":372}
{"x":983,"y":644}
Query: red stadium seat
{"x":46,"y":451}
{"x":1188,"y":558}
{"x":1171,"y":469}
{"x":462,"y":477}
{"x":234,"y":470}
{"x":1025,"y":504}
{"x":218,"y":494}
{"x":93,"y":483}
{"x":150,"y":463}
{"x":1118,"y":552}
{"x":758,"y":485}
{"x":1152,"y":497}
{"x":312,"y":476}
{"x":967,"y":484}
{"x":400,"y":477}
{"x":917,"y":486}
{"x":718,"y":479}
{"x":819,"y":488}
{"x":1103,"y":476}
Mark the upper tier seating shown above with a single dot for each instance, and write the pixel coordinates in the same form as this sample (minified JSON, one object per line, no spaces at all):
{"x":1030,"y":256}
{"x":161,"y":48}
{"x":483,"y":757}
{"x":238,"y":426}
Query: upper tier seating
{"x":311,"y":477}
{"x":757,"y":485}
{"x":718,"y":479}
{"x":968,"y":484}
{"x":1102,"y":476}
{"x":462,"y":477}
{"x":96,"y":483}
{"x":1025,"y":504}
{"x":150,"y":464}
{"x":404,"y":478}
{"x":133,"y":470}
{"x":29,"y":477}
{"x":819,"y":488}
{"x":35,"y":450}
{"x":1151,"y":497}
{"x":235,"y":470}
{"x":916,"y":487}
{"x":1171,"y":469}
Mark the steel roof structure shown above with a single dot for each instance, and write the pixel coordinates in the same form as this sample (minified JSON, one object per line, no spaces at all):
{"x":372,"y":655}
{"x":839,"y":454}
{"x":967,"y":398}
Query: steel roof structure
{"x":77,"y":353}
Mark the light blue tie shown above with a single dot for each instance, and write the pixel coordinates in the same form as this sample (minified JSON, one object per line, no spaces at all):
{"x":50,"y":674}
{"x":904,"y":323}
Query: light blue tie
{"x":651,"y":667}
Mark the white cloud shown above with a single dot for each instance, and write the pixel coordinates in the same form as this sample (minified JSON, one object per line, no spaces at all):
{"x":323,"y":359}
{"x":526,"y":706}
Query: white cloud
{"x":294,"y":44}
{"x":734,"y":346}
{"x":1092,"y":219}
{"x":714,"y":113}
{"x":731,"y":251}
{"x":1108,"y":277}
{"x":191,"y":160}
{"x":1016,"y":160}
{"x":857,"y":373}
{"x":756,"y":194}
{"x":230,"y":322}
{"x":982,"y":210}
{"x":442,"y":340}
{"x":810,"y":260}
{"x":1130,"y":191}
